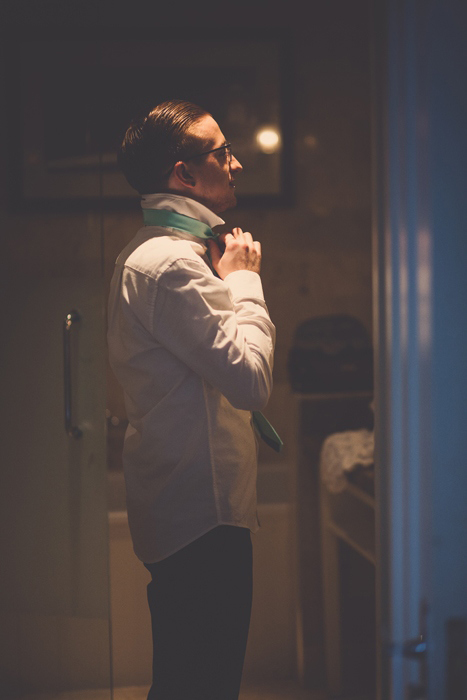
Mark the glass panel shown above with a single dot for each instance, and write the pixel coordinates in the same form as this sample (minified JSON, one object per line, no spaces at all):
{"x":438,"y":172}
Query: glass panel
{"x":54,"y":576}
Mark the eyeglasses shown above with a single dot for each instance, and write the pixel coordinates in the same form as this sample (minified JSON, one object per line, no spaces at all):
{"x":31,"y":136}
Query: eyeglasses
{"x":227,"y":147}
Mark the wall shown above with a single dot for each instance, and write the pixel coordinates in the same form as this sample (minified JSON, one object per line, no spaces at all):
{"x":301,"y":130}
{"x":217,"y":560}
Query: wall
{"x":316,"y":260}
{"x":316,"y":252}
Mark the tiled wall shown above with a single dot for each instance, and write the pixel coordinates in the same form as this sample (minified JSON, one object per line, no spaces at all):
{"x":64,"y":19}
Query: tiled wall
{"x":316,"y":260}
{"x":316,"y":252}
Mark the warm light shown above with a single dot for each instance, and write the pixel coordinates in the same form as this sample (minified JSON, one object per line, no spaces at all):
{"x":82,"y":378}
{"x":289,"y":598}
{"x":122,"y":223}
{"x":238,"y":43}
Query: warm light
{"x":268,"y":139}
{"x":311,"y":142}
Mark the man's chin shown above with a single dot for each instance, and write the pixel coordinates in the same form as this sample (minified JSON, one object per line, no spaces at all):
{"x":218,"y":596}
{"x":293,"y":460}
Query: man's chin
{"x":232,"y":199}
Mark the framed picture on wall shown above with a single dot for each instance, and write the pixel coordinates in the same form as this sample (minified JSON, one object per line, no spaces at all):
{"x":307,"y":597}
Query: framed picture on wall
{"x":78,"y":97}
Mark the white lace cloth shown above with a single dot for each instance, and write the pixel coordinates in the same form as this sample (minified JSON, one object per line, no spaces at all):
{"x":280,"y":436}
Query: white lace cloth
{"x":342,"y":452}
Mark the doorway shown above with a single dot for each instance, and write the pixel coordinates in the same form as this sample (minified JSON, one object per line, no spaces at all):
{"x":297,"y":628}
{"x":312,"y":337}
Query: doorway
{"x":318,"y":257}
{"x":55,"y":619}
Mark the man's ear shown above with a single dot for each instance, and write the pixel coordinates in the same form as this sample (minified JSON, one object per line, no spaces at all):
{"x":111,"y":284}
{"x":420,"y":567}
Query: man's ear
{"x":183,"y":175}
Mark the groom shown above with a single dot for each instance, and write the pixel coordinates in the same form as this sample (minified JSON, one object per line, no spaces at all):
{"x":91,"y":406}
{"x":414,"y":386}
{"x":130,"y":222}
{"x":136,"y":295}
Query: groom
{"x":191,"y":342}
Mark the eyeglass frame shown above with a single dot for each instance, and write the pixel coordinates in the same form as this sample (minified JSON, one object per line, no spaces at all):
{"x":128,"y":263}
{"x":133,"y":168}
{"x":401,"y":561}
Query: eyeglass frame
{"x":227,"y":146}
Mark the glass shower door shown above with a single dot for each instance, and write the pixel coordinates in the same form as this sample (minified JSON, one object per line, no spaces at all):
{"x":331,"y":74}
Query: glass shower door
{"x":54,"y":551}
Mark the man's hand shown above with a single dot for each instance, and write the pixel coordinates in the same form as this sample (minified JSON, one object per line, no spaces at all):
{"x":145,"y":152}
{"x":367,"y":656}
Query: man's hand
{"x":241,"y":253}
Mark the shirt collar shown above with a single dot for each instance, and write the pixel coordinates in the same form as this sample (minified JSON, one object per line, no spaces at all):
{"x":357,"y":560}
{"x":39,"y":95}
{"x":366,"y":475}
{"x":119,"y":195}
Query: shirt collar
{"x":181,"y":205}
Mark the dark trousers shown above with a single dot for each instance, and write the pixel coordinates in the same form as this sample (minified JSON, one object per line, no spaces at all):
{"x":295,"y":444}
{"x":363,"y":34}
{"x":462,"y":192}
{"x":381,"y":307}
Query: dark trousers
{"x":200,"y":603}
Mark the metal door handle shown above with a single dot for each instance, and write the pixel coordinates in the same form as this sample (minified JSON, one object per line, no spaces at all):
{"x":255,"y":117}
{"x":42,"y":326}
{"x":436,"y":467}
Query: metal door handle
{"x":70,"y":319}
{"x":415,"y":648}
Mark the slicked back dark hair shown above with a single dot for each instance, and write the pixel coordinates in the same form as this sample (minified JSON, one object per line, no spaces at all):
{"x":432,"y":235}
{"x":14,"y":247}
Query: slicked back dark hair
{"x":153,"y":144}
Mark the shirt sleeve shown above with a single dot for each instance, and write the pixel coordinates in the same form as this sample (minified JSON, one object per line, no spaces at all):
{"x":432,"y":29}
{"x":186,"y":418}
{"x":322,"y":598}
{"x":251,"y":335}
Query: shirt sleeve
{"x":221,"y":329}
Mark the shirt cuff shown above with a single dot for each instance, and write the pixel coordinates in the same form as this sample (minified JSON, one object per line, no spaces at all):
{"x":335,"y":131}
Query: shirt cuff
{"x":245,"y":283}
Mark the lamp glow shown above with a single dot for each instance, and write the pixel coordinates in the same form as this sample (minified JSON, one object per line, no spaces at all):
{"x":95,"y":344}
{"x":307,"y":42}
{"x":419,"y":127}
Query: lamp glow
{"x":268,"y":139}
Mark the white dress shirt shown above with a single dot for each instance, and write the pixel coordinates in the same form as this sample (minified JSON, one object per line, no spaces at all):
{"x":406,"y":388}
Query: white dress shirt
{"x":194,"y":356}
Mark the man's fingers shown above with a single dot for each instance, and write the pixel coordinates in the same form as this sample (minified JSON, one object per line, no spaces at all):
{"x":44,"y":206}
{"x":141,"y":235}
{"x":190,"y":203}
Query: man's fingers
{"x":241,"y":253}
{"x":228,"y":238}
{"x":248,"y":239}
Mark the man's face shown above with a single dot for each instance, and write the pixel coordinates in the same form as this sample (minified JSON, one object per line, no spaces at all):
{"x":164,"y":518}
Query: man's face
{"x":213,"y":173}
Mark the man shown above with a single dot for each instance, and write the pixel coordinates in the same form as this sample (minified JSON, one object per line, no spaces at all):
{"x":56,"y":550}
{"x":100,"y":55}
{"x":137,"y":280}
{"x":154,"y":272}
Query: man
{"x":191,"y":343}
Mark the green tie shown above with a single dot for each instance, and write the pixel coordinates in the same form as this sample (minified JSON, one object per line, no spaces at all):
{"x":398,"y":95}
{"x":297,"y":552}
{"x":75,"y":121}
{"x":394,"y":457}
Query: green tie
{"x":180,"y":222}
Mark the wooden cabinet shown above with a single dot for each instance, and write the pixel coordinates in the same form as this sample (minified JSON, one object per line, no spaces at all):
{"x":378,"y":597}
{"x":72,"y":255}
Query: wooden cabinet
{"x":322,"y":521}
{"x":346,"y":518}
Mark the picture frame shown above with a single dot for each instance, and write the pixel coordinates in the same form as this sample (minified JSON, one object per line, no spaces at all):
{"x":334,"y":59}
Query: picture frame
{"x":78,"y":97}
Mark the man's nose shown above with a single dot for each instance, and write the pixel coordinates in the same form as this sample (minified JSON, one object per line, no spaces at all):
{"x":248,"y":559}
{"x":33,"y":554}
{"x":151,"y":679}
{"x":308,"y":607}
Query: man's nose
{"x":235,"y":164}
